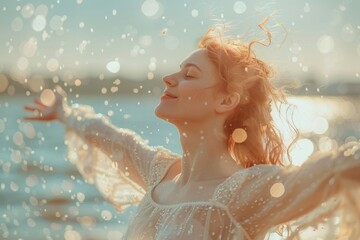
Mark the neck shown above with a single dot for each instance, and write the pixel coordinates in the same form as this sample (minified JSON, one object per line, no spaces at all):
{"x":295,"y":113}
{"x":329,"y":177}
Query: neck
{"x":205,"y":154}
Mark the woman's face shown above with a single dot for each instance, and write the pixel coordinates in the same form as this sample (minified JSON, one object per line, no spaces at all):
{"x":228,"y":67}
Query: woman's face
{"x":190,"y":92}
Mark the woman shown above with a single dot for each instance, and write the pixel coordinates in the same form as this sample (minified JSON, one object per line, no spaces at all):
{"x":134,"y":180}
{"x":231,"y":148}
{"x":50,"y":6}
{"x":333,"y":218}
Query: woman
{"x":230,"y":182}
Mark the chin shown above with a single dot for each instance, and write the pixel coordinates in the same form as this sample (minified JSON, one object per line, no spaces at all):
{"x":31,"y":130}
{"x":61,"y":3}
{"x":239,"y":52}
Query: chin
{"x":164,"y":115}
{"x":160,"y":113}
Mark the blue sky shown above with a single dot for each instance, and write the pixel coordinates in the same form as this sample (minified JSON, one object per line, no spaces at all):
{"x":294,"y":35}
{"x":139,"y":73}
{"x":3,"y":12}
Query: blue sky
{"x":145,"y":39}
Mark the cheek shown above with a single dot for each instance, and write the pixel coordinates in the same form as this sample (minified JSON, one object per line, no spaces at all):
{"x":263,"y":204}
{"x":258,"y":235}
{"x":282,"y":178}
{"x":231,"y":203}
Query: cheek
{"x":189,"y":89}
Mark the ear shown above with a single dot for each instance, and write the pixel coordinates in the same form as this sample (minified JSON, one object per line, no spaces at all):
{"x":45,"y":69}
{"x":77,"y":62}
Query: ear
{"x":228,"y":102}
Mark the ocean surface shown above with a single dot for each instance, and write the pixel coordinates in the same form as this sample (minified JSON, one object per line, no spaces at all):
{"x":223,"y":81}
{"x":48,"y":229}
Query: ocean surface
{"x":42,"y":196}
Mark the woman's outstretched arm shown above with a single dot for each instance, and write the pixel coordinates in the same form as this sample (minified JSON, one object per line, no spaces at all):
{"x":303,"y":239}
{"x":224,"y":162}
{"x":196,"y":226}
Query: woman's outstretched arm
{"x":117,"y":160}
{"x":326,"y":184}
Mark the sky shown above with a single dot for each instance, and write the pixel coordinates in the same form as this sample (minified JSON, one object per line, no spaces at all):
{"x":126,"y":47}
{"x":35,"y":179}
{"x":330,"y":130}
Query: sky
{"x":74,"y":39}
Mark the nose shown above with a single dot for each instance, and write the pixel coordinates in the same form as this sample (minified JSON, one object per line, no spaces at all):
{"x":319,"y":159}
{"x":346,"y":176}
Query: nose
{"x":170,"y":80}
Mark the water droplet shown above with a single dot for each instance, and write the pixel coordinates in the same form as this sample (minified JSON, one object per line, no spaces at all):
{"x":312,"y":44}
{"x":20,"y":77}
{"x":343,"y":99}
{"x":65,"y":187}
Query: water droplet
{"x":56,"y":23}
{"x":18,"y":138}
{"x":117,"y":81}
{"x":29,"y":130}
{"x":83,"y":45}
{"x":152,"y":66}
{"x":80,"y":196}
{"x":32,"y":181}
{"x":52,"y":65}
{"x":164,"y":32}
{"x":145,"y":40}
{"x":295,"y":48}
{"x":307,"y":8}
{"x":277,"y":190}
{"x":113,"y":66}
{"x":239,"y":7}
{"x":239,"y":135}
{"x":39,"y":23}
{"x":41,"y":10}
{"x":47,"y":97}
{"x":150,"y":75}
{"x":22,"y":63}
{"x":305,"y":68}
{"x":320,"y":125}
{"x":14,"y":187}
{"x":325,"y":44}
{"x":342,"y":8}
{"x":30,"y":47}
{"x":77,"y":82}
{"x":72,"y":234}
{"x":106,"y":215}
{"x":194,"y":13}
{"x":150,"y":7}
{"x":17,"y":24}
{"x":27,"y":11}
{"x":348,"y":33}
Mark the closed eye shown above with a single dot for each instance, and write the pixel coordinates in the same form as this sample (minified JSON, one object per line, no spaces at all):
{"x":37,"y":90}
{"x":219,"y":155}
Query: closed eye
{"x":189,"y":76}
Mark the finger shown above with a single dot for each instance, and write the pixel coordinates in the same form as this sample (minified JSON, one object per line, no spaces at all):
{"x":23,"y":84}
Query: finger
{"x":34,"y":119}
{"x":38,"y":102}
{"x":30,"y":108}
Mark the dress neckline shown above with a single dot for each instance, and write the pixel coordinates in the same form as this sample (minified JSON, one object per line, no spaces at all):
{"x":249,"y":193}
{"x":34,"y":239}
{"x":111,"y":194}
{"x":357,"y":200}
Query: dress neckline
{"x":190,"y":203}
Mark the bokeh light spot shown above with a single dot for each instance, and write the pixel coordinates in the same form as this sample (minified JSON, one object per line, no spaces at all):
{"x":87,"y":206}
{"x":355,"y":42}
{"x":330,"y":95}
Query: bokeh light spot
{"x":56,"y":23}
{"x":277,"y":190}
{"x":22,"y":63}
{"x":348,"y":33}
{"x":47,"y":97}
{"x":36,"y":83}
{"x":150,"y":75}
{"x":194,"y":13}
{"x":27,"y":11}
{"x":113,"y":66}
{"x":18,"y":138}
{"x":325,"y":44}
{"x":320,"y":125}
{"x":106,"y":215}
{"x":239,"y":7}
{"x":239,"y":135}
{"x":72,"y":235}
{"x":30,"y":47}
{"x":39,"y":23}
{"x":150,"y":7}
{"x":17,"y":24}
{"x":42,"y":10}
{"x":52,"y":65}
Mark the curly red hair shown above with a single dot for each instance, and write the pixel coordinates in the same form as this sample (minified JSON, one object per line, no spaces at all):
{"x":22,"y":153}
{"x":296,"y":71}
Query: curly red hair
{"x":241,"y":71}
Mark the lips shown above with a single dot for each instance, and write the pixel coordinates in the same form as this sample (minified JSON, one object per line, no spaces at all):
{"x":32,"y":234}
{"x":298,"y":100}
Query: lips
{"x":168,"y":95}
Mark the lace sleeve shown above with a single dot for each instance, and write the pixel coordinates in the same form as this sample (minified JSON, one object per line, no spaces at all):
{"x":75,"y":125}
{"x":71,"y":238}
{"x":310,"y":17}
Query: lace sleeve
{"x":323,"y":194}
{"x":117,"y":160}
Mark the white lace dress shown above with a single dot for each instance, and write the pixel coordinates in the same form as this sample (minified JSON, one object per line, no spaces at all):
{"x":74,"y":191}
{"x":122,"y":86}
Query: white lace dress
{"x":319,"y":200}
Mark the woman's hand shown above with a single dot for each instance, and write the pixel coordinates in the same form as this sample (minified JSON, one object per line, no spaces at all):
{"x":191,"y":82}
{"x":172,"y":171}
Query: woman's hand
{"x":48,"y":107}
